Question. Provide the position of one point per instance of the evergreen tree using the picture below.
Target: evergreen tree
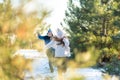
(93, 23)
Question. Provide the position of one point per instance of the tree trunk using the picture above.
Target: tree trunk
(104, 31)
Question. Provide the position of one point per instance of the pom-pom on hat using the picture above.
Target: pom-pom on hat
(49, 30)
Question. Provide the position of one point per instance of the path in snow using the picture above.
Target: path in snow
(41, 71)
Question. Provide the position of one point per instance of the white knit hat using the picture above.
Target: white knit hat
(60, 33)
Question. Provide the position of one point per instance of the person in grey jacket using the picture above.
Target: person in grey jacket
(61, 45)
(62, 50)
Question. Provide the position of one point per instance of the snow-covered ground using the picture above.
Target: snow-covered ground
(41, 71)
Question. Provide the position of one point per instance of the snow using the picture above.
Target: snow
(30, 53)
(89, 73)
(41, 71)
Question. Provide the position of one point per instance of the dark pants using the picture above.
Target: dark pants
(50, 53)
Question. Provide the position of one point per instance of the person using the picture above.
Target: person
(62, 51)
(50, 51)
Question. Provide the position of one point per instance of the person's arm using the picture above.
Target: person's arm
(66, 42)
(39, 36)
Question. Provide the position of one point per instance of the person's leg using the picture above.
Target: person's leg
(61, 64)
(50, 54)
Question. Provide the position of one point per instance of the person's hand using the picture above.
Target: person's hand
(36, 32)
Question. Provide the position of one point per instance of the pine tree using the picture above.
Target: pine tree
(100, 19)
(93, 23)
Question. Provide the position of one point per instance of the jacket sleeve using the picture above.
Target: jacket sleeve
(66, 42)
(40, 37)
